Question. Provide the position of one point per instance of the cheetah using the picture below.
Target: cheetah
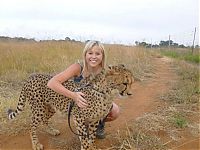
(99, 91)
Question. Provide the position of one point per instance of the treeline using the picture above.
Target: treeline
(137, 43)
(6, 38)
(168, 43)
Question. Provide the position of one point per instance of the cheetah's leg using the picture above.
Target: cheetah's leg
(36, 120)
(92, 133)
(49, 113)
(82, 130)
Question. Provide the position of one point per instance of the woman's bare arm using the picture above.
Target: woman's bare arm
(56, 84)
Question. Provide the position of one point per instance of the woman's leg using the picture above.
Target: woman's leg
(113, 114)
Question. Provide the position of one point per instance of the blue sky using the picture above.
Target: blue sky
(113, 21)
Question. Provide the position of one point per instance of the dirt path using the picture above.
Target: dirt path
(144, 99)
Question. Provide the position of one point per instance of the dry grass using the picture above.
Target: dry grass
(23, 58)
(187, 90)
(137, 59)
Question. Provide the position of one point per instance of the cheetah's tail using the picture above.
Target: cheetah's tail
(13, 113)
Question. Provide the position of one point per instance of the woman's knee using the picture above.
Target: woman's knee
(114, 113)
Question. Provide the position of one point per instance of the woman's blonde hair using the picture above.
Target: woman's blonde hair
(89, 45)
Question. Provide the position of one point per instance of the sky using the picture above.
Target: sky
(110, 21)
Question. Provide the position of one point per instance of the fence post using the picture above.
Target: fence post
(193, 40)
(169, 42)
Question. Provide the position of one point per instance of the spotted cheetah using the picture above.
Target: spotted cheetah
(99, 92)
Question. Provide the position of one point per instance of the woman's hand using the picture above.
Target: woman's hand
(79, 100)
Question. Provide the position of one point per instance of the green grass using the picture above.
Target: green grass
(172, 54)
(192, 58)
(182, 55)
(179, 121)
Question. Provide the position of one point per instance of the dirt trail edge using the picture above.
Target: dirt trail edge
(144, 99)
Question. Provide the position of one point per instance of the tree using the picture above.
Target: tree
(67, 39)
(137, 43)
(181, 46)
(166, 43)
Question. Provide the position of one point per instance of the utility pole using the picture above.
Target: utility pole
(193, 40)
(169, 41)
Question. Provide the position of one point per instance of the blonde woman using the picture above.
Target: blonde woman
(93, 63)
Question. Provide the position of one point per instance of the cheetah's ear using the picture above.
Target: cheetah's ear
(91, 77)
(109, 66)
(121, 65)
(103, 71)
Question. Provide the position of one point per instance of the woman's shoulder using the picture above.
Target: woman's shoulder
(80, 62)
(76, 64)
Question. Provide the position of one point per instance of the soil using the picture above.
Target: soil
(145, 99)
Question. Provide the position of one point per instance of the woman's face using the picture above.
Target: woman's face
(94, 57)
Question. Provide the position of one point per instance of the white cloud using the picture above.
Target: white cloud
(120, 20)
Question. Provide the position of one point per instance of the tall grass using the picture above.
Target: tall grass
(137, 59)
(192, 58)
(19, 59)
(183, 54)
(187, 90)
